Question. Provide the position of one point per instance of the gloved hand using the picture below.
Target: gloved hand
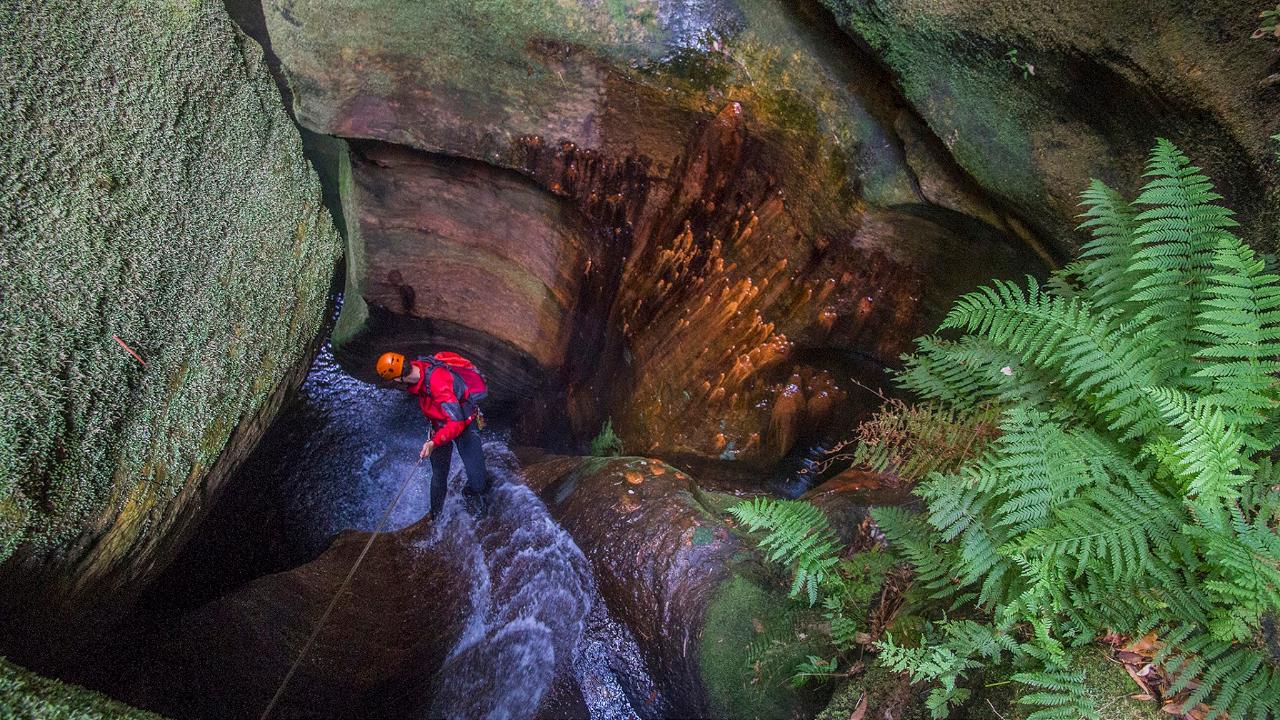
(427, 447)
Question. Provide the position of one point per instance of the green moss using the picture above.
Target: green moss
(1107, 684)
(1108, 78)
(153, 190)
(745, 613)
(469, 47)
(23, 694)
(881, 688)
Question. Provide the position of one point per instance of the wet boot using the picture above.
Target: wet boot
(477, 505)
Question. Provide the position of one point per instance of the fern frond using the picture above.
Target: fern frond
(1234, 679)
(1119, 530)
(797, 535)
(1129, 488)
(1060, 695)
(912, 441)
(971, 373)
(1097, 360)
(1039, 465)
(1174, 247)
(1103, 268)
(911, 538)
(1241, 318)
(1243, 568)
(1209, 450)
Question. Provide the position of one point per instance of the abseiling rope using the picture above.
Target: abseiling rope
(341, 588)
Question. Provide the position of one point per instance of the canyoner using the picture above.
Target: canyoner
(449, 389)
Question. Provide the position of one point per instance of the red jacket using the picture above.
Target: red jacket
(439, 394)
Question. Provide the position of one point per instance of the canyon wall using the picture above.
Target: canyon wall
(165, 270)
(674, 216)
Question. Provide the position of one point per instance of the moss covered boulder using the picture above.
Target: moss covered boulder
(1035, 97)
(163, 274)
(696, 597)
(25, 695)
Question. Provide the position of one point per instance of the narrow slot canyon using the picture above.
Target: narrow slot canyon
(688, 245)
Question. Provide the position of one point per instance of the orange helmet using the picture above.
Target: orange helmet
(391, 365)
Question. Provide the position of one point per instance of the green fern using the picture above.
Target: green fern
(796, 535)
(607, 443)
(1129, 489)
(1059, 695)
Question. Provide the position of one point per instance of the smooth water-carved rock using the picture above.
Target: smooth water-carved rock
(376, 655)
(156, 203)
(746, 190)
(456, 617)
(1035, 98)
(669, 567)
(458, 253)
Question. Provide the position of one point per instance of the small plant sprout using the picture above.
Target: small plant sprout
(1268, 25)
(1027, 68)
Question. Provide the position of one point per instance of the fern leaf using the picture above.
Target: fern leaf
(1241, 319)
(1209, 450)
(1060, 695)
(1103, 268)
(1174, 248)
(796, 535)
(1095, 359)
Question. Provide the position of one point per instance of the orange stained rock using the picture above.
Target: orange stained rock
(827, 287)
(785, 417)
(827, 318)
(629, 503)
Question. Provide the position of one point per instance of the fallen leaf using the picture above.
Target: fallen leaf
(860, 711)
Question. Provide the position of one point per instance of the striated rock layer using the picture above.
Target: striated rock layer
(713, 197)
(155, 203)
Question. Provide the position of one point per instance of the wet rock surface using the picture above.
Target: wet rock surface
(386, 638)
(674, 573)
(731, 190)
(442, 244)
(460, 618)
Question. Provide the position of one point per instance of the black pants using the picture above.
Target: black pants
(472, 454)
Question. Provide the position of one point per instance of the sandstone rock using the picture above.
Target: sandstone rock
(742, 190)
(400, 616)
(1034, 98)
(458, 253)
(669, 567)
(154, 196)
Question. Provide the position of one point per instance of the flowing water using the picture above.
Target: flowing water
(538, 632)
